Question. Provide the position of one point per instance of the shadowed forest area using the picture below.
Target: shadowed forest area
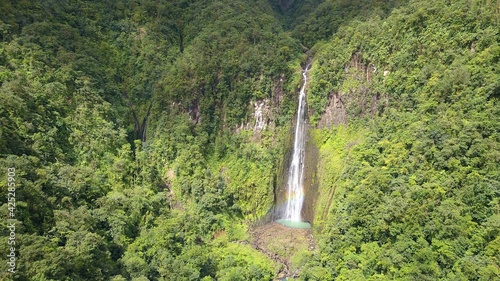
(149, 137)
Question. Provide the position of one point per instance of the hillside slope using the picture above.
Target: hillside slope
(409, 172)
(147, 137)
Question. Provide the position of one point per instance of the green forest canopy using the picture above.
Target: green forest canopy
(130, 126)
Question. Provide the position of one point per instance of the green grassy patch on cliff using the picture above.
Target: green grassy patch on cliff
(335, 148)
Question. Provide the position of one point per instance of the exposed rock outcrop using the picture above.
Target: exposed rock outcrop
(261, 114)
(281, 243)
(265, 110)
(335, 112)
(357, 97)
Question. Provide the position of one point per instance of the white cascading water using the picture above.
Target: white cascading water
(296, 170)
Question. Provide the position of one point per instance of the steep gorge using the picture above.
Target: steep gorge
(401, 158)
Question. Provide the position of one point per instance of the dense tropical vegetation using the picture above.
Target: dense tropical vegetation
(135, 128)
(413, 193)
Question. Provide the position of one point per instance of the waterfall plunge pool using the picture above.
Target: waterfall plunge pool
(292, 217)
(295, 224)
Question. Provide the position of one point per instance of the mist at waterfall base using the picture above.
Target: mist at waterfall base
(295, 184)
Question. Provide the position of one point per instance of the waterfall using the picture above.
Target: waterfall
(295, 190)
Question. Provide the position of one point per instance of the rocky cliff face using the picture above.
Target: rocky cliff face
(335, 112)
(356, 97)
(264, 111)
(261, 114)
